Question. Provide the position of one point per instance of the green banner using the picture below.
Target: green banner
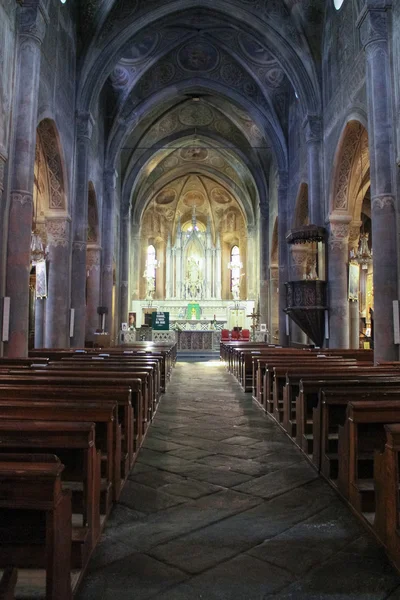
(160, 321)
(193, 311)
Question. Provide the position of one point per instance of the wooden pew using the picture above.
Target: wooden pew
(22, 405)
(8, 582)
(386, 478)
(35, 519)
(98, 377)
(309, 412)
(310, 371)
(74, 444)
(360, 416)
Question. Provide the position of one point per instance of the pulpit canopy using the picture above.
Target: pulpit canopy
(305, 234)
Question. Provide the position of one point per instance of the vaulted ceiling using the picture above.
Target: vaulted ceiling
(199, 87)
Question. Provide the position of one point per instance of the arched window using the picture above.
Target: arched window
(150, 272)
(235, 266)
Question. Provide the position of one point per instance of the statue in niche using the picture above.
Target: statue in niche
(193, 284)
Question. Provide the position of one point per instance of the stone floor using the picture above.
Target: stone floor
(221, 505)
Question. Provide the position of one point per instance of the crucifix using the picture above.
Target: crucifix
(254, 316)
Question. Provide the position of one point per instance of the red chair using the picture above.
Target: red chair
(234, 335)
(246, 335)
(225, 335)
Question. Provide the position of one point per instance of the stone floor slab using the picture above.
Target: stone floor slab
(221, 506)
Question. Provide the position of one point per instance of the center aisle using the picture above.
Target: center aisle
(221, 505)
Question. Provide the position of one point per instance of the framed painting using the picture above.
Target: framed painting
(354, 280)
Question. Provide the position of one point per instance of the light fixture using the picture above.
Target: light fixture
(363, 255)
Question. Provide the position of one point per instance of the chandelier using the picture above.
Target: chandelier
(363, 255)
(38, 253)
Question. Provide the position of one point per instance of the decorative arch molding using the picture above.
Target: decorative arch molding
(140, 206)
(351, 141)
(235, 66)
(300, 70)
(301, 214)
(122, 129)
(133, 176)
(51, 148)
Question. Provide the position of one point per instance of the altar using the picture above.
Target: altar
(198, 340)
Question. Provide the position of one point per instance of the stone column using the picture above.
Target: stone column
(160, 272)
(168, 270)
(338, 281)
(108, 240)
(274, 305)
(178, 262)
(93, 261)
(313, 133)
(283, 255)
(218, 275)
(58, 285)
(354, 317)
(135, 270)
(84, 129)
(264, 268)
(32, 20)
(40, 315)
(3, 160)
(124, 297)
(373, 24)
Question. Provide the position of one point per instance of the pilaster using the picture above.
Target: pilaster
(32, 21)
(373, 25)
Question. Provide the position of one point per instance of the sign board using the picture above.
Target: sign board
(160, 321)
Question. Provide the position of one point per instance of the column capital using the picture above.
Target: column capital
(372, 22)
(312, 125)
(93, 256)
(84, 125)
(58, 231)
(339, 232)
(33, 19)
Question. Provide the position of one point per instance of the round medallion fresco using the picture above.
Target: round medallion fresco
(220, 196)
(232, 74)
(254, 50)
(140, 49)
(166, 196)
(193, 198)
(194, 113)
(274, 77)
(168, 124)
(198, 56)
(194, 153)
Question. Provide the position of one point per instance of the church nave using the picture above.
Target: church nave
(221, 505)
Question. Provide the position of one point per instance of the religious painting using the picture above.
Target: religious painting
(220, 196)
(166, 196)
(198, 56)
(194, 153)
(132, 320)
(193, 198)
(354, 280)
